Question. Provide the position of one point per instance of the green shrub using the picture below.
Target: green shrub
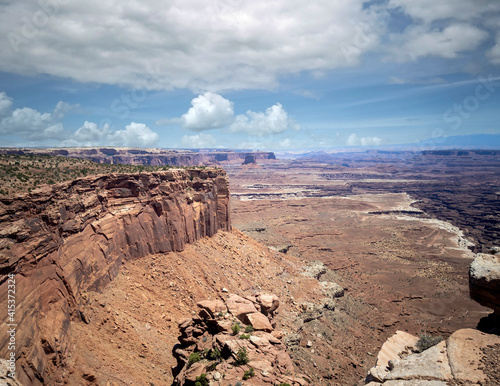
(285, 384)
(193, 358)
(243, 336)
(249, 374)
(202, 380)
(427, 341)
(249, 329)
(242, 356)
(214, 354)
(236, 329)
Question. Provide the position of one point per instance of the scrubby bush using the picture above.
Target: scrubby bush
(249, 329)
(193, 358)
(242, 356)
(243, 336)
(427, 341)
(249, 374)
(202, 380)
(236, 329)
(214, 354)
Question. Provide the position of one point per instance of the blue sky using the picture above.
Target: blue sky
(268, 75)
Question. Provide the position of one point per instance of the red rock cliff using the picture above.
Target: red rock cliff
(73, 237)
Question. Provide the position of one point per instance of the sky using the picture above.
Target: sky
(261, 75)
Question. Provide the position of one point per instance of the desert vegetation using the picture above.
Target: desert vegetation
(23, 173)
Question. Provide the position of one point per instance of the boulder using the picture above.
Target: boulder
(465, 354)
(212, 307)
(240, 307)
(395, 346)
(259, 322)
(484, 281)
(268, 303)
(432, 364)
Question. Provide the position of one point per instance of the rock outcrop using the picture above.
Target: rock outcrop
(63, 240)
(484, 281)
(233, 341)
(468, 357)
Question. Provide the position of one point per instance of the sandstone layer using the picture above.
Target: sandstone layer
(139, 156)
(467, 357)
(64, 240)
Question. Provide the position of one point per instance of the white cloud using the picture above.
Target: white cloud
(43, 128)
(212, 111)
(396, 80)
(354, 140)
(134, 135)
(428, 11)
(494, 52)
(31, 124)
(90, 134)
(275, 120)
(418, 42)
(196, 44)
(198, 141)
(208, 111)
(5, 104)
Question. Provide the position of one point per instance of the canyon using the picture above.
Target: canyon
(64, 240)
(355, 246)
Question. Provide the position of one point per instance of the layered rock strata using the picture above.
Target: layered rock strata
(233, 341)
(63, 240)
(139, 156)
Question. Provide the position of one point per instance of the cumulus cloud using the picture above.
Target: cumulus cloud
(212, 111)
(197, 44)
(37, 128)
(274, 120)
(30, 124)
(354, 140)
(5, 104)
(199, 141)
(134, 135)
(208, 111)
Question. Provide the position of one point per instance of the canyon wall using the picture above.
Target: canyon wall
(63, 240)
(155, 157)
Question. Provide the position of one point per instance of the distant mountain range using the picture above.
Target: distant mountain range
(477, 141)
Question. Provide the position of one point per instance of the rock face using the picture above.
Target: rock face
(484, 281)
(136, 156)
(212, 347)
(467, 357)
(73, 237)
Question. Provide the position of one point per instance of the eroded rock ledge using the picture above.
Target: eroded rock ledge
(233, 341)
(62, 240)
